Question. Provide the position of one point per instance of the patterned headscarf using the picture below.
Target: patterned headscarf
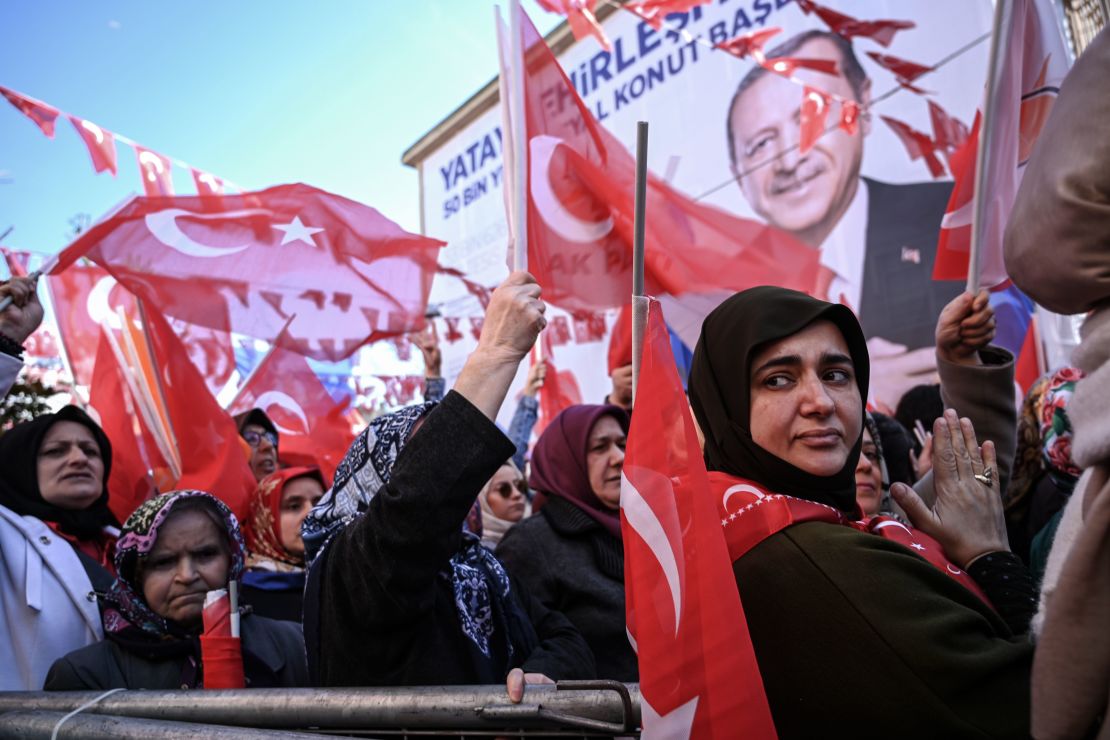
(125, 608)
(477, 577)
(263, 528)
(1043, 436)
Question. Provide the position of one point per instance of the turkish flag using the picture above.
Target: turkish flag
(100, 143)
(134, 452)
(42, 114)
(750, 43)
(311, 424)
(1032, 62)
(904, 70)
(698, 673)
(814, 112)
(580, 212)
(205, 436)
(338, 272)
(949, 132)
(560, 388)
(17, 261)
(85, 297)
(156, 170)
(207, 183)
(918, 144)
(580, 16)
(655, 11)
(879, 31)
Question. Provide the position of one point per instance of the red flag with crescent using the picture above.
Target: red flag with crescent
(880, 31)
(156, 171)
(338, 272)
(100, 143)
(698, 673)
(1032, 62)
(311, 425)
(580, 212)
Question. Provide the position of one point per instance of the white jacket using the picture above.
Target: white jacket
(47, 608)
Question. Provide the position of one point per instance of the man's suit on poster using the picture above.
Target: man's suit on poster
(900, 301)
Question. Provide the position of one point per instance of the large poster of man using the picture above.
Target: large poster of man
(725, 131)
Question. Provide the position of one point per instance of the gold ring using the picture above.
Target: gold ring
(987, 478)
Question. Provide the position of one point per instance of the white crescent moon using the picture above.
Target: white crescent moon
(282, 400)
(643, 520)
(883, 525)
(163, 226)
(740, 488)
(97, 304)
(551, 210)
(953, 570)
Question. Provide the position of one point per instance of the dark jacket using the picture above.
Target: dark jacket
(574, 566)
(273, 656)
(857, 636)
(273, 595)
(379, 610)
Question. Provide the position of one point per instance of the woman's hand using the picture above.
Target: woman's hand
(966, 518)
(427, 342)
(514, 684)
(20, 319)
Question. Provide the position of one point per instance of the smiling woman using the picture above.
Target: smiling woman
(171, 552)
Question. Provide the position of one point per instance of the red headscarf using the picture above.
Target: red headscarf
(262, 529)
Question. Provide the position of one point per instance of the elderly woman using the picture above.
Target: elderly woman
(171, 552)
(838, 609)
(398, 594)
(504, 503)
(570, 555)
(56, 537)
(273, 582)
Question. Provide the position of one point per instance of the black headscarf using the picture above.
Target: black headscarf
(720, 388)
(19, 479)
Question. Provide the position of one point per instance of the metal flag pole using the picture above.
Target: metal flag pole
(1002, 18)
(639, 300)
(519, 133)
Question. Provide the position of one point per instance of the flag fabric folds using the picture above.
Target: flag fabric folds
(338, 272)
(100, 143)
(43, 115)
(156, 171)
(1032, 62)
(312, 426)
(580, 211)
(698, 673)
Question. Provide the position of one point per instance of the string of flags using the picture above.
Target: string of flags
(948, 135)
(156, 169)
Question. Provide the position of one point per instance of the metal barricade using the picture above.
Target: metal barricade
(596, 709)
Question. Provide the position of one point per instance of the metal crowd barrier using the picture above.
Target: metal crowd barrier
(594, 709)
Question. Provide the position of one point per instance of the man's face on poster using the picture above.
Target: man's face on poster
(805, 194)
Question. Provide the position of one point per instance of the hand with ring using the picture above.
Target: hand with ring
(967, 518)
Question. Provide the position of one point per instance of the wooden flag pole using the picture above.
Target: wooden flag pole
(1002, 17)
(639, 300)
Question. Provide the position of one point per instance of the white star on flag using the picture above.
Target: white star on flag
(917, 546)
(296, 231)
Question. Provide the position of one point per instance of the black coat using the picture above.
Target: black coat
(575, 566)
(273, 656)
(379, 609)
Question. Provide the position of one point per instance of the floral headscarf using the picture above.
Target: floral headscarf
(480, 584)
(1043, 435)
(125, 609)
(1055, 425)
(262, 531)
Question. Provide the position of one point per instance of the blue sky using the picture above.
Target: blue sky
(260, 93)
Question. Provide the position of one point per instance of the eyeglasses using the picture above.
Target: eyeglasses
(505, 489)
(255, 438)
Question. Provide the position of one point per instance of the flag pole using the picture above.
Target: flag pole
(519, 201)
(639, 300)
(1002, 14)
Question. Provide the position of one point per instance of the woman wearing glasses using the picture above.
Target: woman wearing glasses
(262, 436)
(570, 556)
(504, 501)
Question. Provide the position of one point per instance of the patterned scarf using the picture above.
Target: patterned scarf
(476, 576)
(263, 529)
(125, 609)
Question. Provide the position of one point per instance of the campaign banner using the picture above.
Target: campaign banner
(725, 131)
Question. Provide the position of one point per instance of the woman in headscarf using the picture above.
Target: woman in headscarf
(173, 550)
(273, 582)
(504, 503)
(570, 555)
(841, 613)
(398, 594)
(56, 537)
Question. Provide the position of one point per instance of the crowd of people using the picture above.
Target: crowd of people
(940, 572)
